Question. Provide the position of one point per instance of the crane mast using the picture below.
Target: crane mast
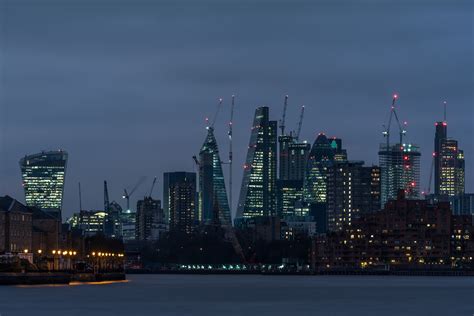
(283, 119)
(300, 123)
(231, 122)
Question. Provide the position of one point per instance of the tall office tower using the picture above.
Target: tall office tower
(150, 220)
(400, 170)
(451, 169)
(289, 197)
(43, 177)
(353, 189)
(340, 154)
(448, 163)
(284, 142)
(258, 191)
(179, 200)
(212, 191)
(298, 160)
(441, 133)
(113, 223)
(320, 158)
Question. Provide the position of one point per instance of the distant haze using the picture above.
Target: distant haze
(125, 86)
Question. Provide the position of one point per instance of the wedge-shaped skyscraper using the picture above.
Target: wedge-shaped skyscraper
(43, 176)
(213, 203)
(258, 191)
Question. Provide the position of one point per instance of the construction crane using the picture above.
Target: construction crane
(282, 121)
(219, 106)
(428, 191)
(231, 122)
(80, 198)
(393, 113)
(127, 195)
(106, 198)
(300, 123)
(152, 187)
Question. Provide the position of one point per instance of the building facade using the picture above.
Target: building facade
(400, 170)
(212, 190)
(43, 178)
(258, 190)
(179, 200)
(150, 222)
(353, 189)
(450, 169)
(16, 230)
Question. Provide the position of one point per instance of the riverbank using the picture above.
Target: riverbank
(451, 273)
(37, 278)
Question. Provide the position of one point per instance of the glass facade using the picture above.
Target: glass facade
(213, 203)
(400, 170)
(258, 191)
(43, 178)
(320, 158)
(451, 169)
(179, 200)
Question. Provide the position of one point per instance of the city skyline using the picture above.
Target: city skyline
(121, 133)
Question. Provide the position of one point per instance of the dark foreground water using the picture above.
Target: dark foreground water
(247, 295)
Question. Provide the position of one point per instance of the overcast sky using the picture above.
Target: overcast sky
(125, 86)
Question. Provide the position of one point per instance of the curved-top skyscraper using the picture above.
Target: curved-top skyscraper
(320, 158)
(43, 176)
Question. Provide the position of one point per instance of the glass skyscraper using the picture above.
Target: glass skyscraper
(321, 156)
(258, 191)
(213, 203)
(400, 170)
(179, 200)
(43, 176)
(448, 163)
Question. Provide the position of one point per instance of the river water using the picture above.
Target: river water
(247, 295)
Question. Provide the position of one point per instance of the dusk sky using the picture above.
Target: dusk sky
(125, 86)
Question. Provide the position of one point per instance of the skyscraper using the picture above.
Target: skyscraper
(150, 219)
(320, 158)
(258, 191)
(212, 191)
(352, 189)
(448, 163)
(179, 200)
(289, 196)
(400, 170)
(441, 133)
(43, 176)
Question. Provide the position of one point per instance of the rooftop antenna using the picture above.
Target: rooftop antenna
(444, 105)
(282, 121)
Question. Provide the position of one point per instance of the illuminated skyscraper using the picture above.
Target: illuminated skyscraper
(258, 191)
(400, 170)
(441, 133)
(353, 189)
(339, 154)
(43, 178)
(451, 168)
(320, 158)
(289, 197)
(179, 200)
(448, 163)
(212, 191)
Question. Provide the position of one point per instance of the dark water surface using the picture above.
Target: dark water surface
(247, 295)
